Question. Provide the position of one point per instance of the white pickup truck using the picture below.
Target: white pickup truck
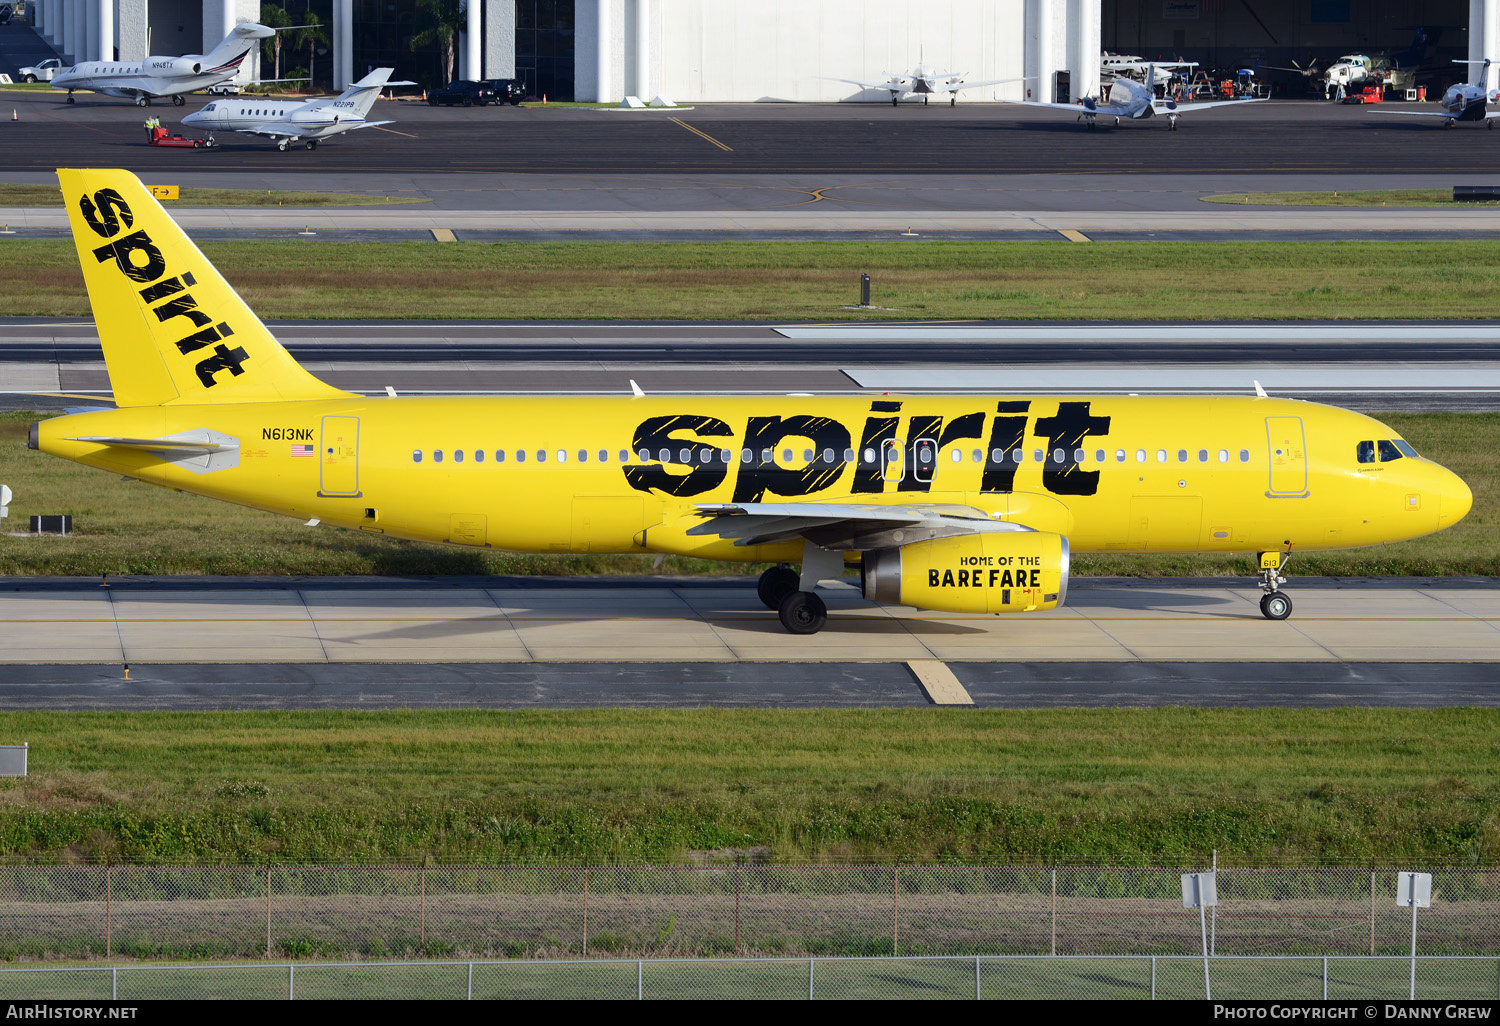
(42, 72)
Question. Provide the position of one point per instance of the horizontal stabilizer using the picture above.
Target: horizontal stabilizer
(155, 444)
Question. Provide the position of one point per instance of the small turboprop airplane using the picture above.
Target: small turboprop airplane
(968, 504)
(1464, 101)
(286, 121)
(924, 82)
(1135, 100)
(157, 77)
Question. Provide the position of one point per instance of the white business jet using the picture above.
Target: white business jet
(287, 121)
(924, 82)
(1135, 100)
(1464, 101)
(157, 77)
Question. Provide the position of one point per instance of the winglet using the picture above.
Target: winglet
(635, 389)
(1260, 391)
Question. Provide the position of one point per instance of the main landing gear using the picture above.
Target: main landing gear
(178, 100)
(143, 101)
(800, 612)
(1275, 604)
(1172, 122)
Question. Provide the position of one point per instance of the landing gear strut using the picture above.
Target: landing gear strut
(1171, 122)
(1275, 604)
(70, 97)
(776, 584)
(178, 101)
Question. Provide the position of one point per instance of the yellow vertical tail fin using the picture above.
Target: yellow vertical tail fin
(172, 329)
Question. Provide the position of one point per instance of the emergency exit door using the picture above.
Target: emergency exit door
(1287, 449)
(339, 458)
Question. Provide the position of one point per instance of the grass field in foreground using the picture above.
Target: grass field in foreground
(1084, 784)
(133, 528)
(1349, 198)
(49, 196)
(926, 278)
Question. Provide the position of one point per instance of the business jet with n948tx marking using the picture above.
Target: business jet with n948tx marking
(156, 77)
(965, 504)
(287, 121)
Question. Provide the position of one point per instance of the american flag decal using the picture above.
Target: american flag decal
(302, 450)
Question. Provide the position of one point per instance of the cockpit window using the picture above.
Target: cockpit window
(1364, 452)
(1405, 448)
(208, 108)
(1388, 451)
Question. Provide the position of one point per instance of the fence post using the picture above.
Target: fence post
(423, 922)
(1372, 913)
(1325, 977)
(1054, 910)
(638, 995)
(291, 981)
(1213, 913)
(976, 977)
(896, 913)
(809, 979)
(268, 910)
(1153, 977)
(114, 984)
(585, 912)
(108, 910)
(739, 871)
(470, 995)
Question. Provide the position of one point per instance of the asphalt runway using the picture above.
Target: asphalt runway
(1273, 138)
(1375, 366)
(510, 643)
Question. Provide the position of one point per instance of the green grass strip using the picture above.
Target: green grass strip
(736, 280)
(132, 528)
(1349, 198)
(1147, 786)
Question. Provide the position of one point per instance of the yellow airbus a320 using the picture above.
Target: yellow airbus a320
(958, 503)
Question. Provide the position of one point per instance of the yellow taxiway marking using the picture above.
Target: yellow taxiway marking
(1073, 235)
(704, 135)
(444, 235)
(942, 687)
(394, 132)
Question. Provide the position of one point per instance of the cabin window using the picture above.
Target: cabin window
(1181, 455)
(684, 455)
(827, 455)
(458, 455)
(1202, 455)
(1223, 455)
(1244, 455)
(1364, 452)
(869, 455)
(665, 455)
(478, 455)
(499, 455)
(807, 455)
(416, 455)
(977, 456)
(1161, 455)
(520, 455)
(1140, 455)
(1017, 456)
(624, 455)
(1100, 455)
(746, 455)
(786, 456)
(848, 455)
(1041, 457)
(1388, 451)
(1079, 456)
(958, 457)
(644, 455)
(541, 455)
(437, 455)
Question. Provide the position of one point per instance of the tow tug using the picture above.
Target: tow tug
(160, 137)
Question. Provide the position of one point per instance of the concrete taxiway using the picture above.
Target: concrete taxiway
(353, 642)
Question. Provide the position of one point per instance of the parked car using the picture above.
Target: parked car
(42, 72)
(223, 89)
(507, 90)
(461, 93)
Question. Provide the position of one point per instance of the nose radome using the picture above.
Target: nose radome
(1455, 501)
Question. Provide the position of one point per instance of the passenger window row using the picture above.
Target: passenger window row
(870, 456)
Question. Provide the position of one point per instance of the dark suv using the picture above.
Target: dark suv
(507, 90)
(462, 93)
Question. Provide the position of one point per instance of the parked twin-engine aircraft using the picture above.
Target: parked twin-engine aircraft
(156, 77)
(924, 82)
(1135, 100)
(1465, 101)
(969, 504)
(288, 121)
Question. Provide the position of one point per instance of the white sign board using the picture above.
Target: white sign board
(1414, 890)
(1199, 890)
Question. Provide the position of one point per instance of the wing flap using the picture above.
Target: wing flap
(840, 526)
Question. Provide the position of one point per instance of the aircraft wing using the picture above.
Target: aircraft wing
(953, 87)
(1102, 109)
(868, 85)
(839, 526)
(1434, 114)
(1188, 108)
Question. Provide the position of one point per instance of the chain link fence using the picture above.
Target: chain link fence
(1119, 977)
(406, 912)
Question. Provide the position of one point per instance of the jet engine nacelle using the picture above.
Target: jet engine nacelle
(1005, 572)
(174, 67)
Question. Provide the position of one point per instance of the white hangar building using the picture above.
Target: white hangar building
(788, 50)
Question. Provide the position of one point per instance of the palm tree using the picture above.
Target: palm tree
(445, 20)
(311, 33)
(274, 17)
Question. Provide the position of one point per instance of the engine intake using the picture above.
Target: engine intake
(174, 67)
(1011, 572)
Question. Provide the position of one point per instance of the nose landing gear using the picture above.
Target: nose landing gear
(1275, 604)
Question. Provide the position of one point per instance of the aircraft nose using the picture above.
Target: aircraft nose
(1454, 501)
